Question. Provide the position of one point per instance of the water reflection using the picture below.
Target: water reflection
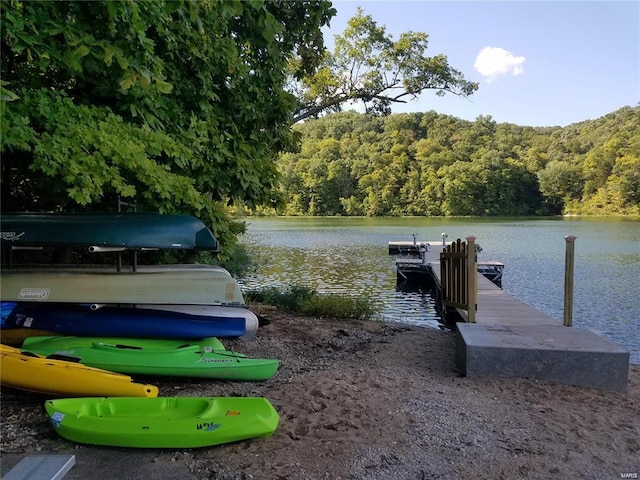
(350, 256)
(347, 268)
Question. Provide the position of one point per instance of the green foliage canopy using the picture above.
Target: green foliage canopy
(179, 104)
(369, 67)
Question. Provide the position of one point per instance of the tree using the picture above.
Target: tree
(368, 66)
(179, 104)
(560, 184)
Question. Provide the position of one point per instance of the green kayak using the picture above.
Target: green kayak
(187, 360)
(162, 422)
(61, 342)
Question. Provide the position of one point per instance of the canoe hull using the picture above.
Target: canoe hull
(163, 422)
(120, 230)
(167, 286)
(79, 320)
(213, 311)
(62, 378)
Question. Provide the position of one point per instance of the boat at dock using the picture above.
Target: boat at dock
(413, 263)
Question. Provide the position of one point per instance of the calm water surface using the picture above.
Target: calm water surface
(350, 256)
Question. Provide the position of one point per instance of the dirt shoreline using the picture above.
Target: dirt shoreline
(367, 400)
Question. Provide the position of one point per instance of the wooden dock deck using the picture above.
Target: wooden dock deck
(512, 339)
(495, 306)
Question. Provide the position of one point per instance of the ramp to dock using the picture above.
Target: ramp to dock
(568, 355)
(513, 339)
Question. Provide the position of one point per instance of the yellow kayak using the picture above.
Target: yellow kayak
(28, 371)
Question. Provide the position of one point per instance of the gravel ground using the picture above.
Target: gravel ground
(367, 400)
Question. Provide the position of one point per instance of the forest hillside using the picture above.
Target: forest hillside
(430, 164)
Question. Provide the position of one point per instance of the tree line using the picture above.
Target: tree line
(433, 164)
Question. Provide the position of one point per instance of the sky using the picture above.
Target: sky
(538, 63)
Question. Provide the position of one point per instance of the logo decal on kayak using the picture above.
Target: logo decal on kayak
(11, 236)
(56, 419)
(23, 320)
(34, 293)
(215, 360)
(208, 426)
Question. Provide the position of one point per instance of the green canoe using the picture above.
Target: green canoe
(163, 422)
(188, 360)
(58, 342)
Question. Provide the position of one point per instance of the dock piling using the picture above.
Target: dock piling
(568, 280)
(472, 279)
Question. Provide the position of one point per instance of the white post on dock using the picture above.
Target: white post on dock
(472, 279)
(568, 280)
(424, 248)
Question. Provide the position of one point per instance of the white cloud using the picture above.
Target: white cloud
(492, 62)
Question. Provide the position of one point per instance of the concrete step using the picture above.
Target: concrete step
(568, 355)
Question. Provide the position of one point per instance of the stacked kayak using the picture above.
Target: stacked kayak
(155, 358)
(64, 378)
(162, 422)
(113, 321)
(157, 284)
(151, 320)
(115, 231)
(159, 301)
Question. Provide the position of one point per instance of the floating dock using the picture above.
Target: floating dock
(512, 339)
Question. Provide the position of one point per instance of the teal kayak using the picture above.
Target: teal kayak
(187, 360)
(162, 422)
(58, 342)
(116, 230)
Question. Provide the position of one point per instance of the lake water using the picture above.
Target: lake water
(350, 256)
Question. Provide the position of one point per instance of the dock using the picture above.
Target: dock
(512, 339)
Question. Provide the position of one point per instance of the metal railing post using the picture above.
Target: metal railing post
(472, 279)
(568, 280)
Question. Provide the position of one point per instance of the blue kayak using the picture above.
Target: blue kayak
(81, 320)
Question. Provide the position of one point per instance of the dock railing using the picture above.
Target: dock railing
(458, 274)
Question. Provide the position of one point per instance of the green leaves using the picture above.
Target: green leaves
(162, 86)
(368, 66)
(180, 104)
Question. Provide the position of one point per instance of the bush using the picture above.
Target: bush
(306, 301)
(290, 299)
(340, 306)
